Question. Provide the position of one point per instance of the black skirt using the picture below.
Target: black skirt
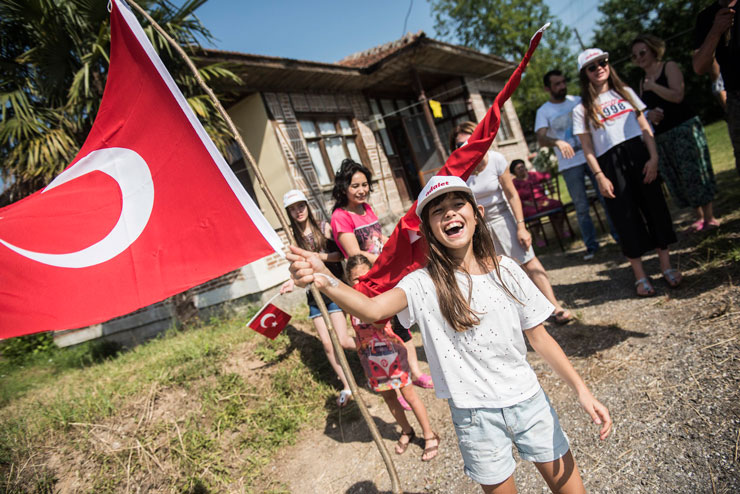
(639, 211)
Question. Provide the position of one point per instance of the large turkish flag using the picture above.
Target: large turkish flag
(147, 209)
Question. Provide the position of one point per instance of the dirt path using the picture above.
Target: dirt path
(668, 368)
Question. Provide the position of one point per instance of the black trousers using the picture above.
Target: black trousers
(639, 211)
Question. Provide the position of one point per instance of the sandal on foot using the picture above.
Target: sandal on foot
(563, 316)
(697, 226)
(344, 396)
(404, 403)
(710, 225)
(424, 381)
(401, 445)
(647, 289)
(669, 275)
(430, 452)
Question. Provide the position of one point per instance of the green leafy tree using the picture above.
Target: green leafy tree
(673, 20)
(54, 57)
(504, 28)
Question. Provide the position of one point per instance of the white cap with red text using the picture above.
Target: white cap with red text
(438, 185)
(292, 197)
(590, 55)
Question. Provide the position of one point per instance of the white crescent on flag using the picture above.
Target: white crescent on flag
(265, 318)
(132, 174)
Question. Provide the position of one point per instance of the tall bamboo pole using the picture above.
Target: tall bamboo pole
(338, 350)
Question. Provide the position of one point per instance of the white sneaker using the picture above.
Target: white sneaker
(589, 255)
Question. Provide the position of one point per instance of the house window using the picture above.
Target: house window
(505, 133)
(329, 142)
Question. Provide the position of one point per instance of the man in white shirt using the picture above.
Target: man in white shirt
(554, 128)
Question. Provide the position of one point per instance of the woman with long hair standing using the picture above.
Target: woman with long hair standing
(317, 237)
(683, 157)
(493, 186)
(620, 150)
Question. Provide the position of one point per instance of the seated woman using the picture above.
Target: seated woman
(534, 198)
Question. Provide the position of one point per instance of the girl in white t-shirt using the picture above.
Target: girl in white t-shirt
(620, 150)
(474, 309)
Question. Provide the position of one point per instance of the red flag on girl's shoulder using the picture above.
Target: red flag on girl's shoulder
(406, 251)
(147, 209)
(270, 321)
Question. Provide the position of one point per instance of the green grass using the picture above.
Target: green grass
(232, 423)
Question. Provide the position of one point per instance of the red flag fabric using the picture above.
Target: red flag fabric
(406, 251)
(147, 209)
(270, 321)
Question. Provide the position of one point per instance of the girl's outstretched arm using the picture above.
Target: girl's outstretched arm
(304, 267)
(548, 349)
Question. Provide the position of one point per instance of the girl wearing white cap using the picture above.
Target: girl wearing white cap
(317, 238)
(474, 309)
(620, 150)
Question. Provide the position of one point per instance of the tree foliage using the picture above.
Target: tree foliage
(54, 57)
(672, 20)
(504, 28)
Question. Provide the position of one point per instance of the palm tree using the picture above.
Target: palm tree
(54, 57)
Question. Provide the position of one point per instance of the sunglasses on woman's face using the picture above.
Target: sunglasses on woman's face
(600, 63)
(458, 145)
(639, 54)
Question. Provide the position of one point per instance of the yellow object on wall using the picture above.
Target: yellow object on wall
(436, 107)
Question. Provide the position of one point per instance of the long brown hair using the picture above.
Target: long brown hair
(442, 268)
(589, 96)
(319, 239)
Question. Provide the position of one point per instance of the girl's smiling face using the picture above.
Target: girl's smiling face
(598, 75)
(452, 221)
(298, 211)
(358, 190)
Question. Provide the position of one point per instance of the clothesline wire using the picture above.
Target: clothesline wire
(437, 95)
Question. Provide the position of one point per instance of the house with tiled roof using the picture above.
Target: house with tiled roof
(300, 119)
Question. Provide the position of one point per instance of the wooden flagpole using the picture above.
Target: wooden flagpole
(338, 350)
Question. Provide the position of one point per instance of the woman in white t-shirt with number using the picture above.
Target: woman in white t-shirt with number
(621, 152)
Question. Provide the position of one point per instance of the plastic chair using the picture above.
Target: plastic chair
(551, 187)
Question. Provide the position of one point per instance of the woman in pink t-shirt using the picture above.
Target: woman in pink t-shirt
(356, 227)
(357, 231)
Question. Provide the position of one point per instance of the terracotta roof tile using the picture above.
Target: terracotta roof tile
(369, 57)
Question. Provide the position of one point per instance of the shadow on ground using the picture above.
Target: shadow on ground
(584, 340)
(346, 427)
(368, 487)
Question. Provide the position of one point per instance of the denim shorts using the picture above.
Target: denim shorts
(485, 436)
(314, 312)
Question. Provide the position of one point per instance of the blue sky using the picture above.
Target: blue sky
(328, 30)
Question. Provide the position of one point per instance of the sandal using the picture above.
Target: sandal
(430, 452)
(697, 225)
(424, 381)
(344, 396)
(647, 289)
(563, 316)
(401, 445)
(669, 275)
(710, 225)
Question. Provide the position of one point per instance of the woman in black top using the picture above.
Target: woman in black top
(683, 154)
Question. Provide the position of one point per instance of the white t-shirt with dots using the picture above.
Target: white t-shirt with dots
(485, 366)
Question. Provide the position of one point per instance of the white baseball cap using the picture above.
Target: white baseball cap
(292, 197)
(591, 55)
(438, 185)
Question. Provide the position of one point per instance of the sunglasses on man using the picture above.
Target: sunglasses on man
(600, 63)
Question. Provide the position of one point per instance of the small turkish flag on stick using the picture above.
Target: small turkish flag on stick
(269, 321)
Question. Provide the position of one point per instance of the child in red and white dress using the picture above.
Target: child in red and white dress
(384, 360)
